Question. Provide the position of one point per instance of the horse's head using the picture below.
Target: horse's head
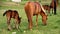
(44, 17)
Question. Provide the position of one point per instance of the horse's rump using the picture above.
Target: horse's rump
(11, 13)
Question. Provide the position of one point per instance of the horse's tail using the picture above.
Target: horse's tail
(4, 13)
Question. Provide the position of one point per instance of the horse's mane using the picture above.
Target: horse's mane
(43, 9)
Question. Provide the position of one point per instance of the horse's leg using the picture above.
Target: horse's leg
(49, 12)
(37, 20)
(16, 24)
(8, 22)
(30, 22)
(29, 16)
(52, 11)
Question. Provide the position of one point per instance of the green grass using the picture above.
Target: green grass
(52, 27)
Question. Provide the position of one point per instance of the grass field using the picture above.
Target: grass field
(52, 27)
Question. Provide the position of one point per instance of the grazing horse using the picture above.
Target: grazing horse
(47, 7)
(32, 9)
(12, 14)
(52, 4)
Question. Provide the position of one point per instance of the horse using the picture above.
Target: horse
(52, 4)
(47, 7)
(12, 14)
(32, 9)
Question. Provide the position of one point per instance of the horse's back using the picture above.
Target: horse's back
(29, 8)
(12, 13)
(8, 13)
(16, 14)
(37, 7)
(32, 7)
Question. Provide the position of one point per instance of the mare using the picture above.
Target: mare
(32, 9)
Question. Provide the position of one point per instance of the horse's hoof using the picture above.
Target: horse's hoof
(31, 29)
(44, 24)
(50, 15)
(18, 30)
(14, 28)
(9, 29)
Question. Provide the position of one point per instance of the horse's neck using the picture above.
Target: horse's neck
(42, 13)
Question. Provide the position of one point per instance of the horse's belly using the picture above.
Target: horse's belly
(35, 13)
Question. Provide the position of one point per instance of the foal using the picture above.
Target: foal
(47, 7)
(12, 14)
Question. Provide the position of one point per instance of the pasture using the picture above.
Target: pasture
(52, 27)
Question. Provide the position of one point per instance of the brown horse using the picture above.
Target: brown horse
(32, 9)
(52, 4)
(47, 7)
(12, 14)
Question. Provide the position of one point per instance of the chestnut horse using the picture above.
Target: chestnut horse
(32, 9)
(47, 7)
(12, 14)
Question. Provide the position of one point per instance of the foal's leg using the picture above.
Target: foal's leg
(8, 23)
(37, 20)
(16, 23)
